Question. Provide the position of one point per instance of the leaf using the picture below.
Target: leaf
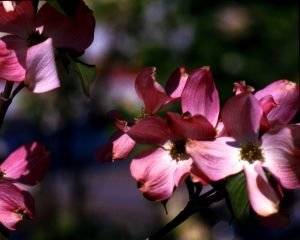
(238, 196)
(87, 74)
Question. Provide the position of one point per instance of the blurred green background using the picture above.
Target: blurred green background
(256, 41)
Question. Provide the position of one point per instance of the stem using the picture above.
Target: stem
(193, 206)
(5, 100)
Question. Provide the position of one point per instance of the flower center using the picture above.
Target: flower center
(142, 114)
(34, 38)
(177, 150)
(251, 152)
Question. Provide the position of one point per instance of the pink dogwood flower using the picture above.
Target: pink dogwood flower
(243, 150)
(9, 5)
(27, 53)
(155, 98)
(25, 166)
(160, 170)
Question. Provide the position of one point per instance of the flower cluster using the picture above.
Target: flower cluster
(32, 43)
(251, 134)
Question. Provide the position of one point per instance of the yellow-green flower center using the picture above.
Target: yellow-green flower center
(177, 150)
(251, 152)
(142, 114)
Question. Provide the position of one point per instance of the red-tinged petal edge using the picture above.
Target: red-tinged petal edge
(263, 198)
(154, 170)
(242, 116)
(13, 205)
(190, 127)
(120, 145)
(41, 75)
(282, 157)
(287, 96)
(150, 91)
(176, 83)
(215, 159)
(200, 95)
(20, 21)
(75, 32)
(150, 130)
(28, 164)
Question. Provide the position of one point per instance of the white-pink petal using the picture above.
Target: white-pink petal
(216, 159)
(263, 198)
(41, 75)
(282, 158)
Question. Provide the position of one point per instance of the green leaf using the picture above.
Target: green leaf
(238, 196)
(55, 4)
(87, 74)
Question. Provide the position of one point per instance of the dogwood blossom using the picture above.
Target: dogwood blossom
(25, 166)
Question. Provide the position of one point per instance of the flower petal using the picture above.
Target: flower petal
(287, 95)
(28, 164)
(12, 58)
(68, 32)
(192, 127)
(200, 95)
(154, 170)
(176, 83)
(282, 159)
(183, 169)
(12, 205)
(120, 145)
(150, 130)
(150, 91)
(263, 199)
(41, 75)
(242, 115)
(20, 21)
(216, 159)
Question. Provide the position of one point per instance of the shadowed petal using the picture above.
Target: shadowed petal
(119, 147)
(12, 205)
(12, 58)
(192, 127)
(28, 164)
(242, 115)
(200, 95)
(176, 83)
(68, 32)
(282, 159)
(183, 169)
(20, 21)
(151, 130)
(150, 91)
(263, 198)
(41, 75)
(154, 170)
(287, 95)
(216, 159)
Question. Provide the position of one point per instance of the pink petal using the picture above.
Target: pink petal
(41, 75)
(262, 196)
(242, 115)
(200, 95)
(183, 169)
(151, 130)
(154, 169)
(75, 32)
(120, 145)
(216, 159)
(28, 164)
(12, 58)
(241, 87)
(186, 126)
(287, 95)
(9, 6)
(12, 205)
(295, 128)
(176, 83)
(282, 159)
(267, 102)
(20, 21)
(150, 91)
